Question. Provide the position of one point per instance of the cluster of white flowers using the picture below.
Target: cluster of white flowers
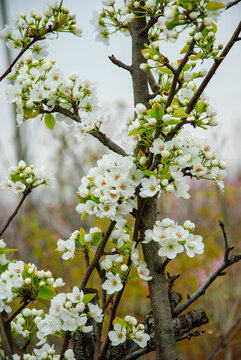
(174, 239)
(89, 122)
(40, 85)
(82, 240)
(67, 313)
(109, 188)
(25, 281)
(22, 323)
(46, 352)
(128, 329)
(170, 21)
(185, 155)
(23, 178)
(39, 26)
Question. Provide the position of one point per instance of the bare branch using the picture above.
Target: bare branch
(98, 254)
(232, 3)
(96, 134)
(119, 63)
(224, 338)
(191, 334)
(211, 278)
(227, 248)
(108, 143)
(25, 303)
(25, 194)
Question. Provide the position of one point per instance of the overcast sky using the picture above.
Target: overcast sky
(90, 59)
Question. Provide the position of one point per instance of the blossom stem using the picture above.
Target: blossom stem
(25, 194)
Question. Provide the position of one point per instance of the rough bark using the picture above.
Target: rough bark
(164, 331)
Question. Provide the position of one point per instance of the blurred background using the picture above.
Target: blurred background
(49, 214)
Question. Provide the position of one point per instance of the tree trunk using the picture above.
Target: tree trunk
(164, 332)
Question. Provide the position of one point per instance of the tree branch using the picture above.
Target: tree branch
(98, 254)
(5, 337)
(25, 194)
(211, 278)
(119, 63)
(179, 69)
(205, 82)
(17, 57)
(223, 340)
(232, 3)
(98, 135)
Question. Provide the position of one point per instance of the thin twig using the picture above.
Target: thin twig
(17, 57)
(227, 248)
(205, 82)
(232, 3)
(98, 135)
(211, 278)
(112, 316)
(25, 303)
(190, 335)
(119, 63)
(98, 254)
(179, 69)
(25, 194)
(222, 344)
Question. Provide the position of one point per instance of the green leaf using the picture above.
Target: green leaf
(84, 215)
(149, 173)
(119, 320)
(186, 66)
(136, 131)
(184, 50)
(172, 24)
(180, 113)
(7, 251)
(214, 5)
(156, 111)
(32, 115)
(47, 292)
(49, 121)
(88, 298)
(165, 70)
(96, 239)
(196, 57)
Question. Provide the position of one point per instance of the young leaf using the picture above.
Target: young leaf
(180, 113)
(88, 298)
(49, 121)
(214, 5)
(46, 292)
(96, 239)
(7, 251)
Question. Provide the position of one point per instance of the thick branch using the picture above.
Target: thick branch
(6, 336)
(182, 325)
